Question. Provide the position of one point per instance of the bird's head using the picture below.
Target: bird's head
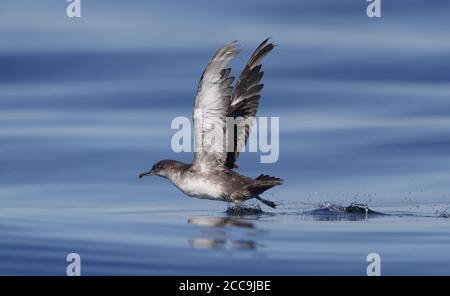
(162, 168)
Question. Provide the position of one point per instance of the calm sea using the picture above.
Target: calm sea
(86, 105)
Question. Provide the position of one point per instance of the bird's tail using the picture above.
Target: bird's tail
(266, 180)
(263, 183)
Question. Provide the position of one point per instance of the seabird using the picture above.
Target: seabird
(212, 173)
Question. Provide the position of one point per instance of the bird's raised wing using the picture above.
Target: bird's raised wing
(210, 109)
(244, 102)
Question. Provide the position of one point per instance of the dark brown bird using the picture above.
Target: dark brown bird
(211, 175)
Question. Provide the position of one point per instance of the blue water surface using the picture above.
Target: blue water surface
(86, 105)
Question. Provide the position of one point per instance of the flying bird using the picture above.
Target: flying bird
(212, 173)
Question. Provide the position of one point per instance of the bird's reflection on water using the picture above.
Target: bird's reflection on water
(224, 233)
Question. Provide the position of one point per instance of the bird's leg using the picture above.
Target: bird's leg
(228, 200)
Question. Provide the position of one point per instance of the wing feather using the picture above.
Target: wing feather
(244, 102)
(210, 109)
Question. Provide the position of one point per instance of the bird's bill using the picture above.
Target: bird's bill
(149, 173)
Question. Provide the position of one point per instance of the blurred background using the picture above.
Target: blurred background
(86, 104)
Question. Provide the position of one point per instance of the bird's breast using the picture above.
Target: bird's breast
(200, 187)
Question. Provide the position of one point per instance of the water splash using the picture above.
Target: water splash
(330, 208)
(244, 210)
(442, 214)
